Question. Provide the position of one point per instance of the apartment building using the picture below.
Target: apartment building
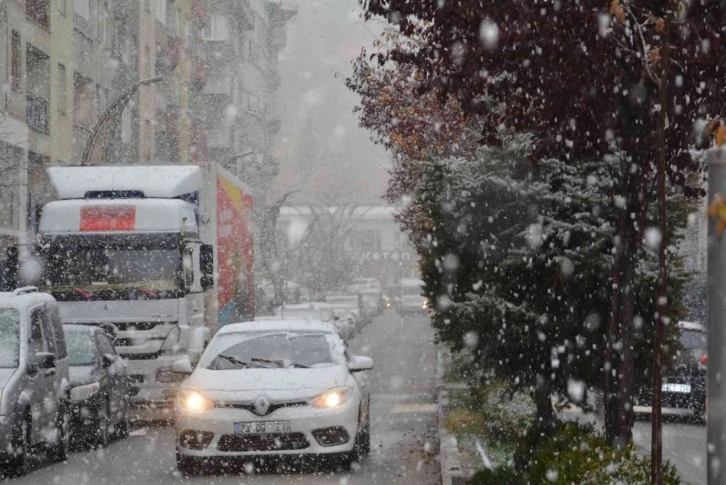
(240, 43)
(65, 61)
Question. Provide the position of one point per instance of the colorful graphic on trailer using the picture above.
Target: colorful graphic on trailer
(234, 253)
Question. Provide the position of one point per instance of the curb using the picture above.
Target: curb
(449, 456)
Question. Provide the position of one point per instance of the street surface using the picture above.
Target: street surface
(403, 411)
(684, 445)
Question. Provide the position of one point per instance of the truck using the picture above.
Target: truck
(159, 256)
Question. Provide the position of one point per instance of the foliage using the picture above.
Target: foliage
(324, 261)
(519, 260)
(492, 409)
(583, 79)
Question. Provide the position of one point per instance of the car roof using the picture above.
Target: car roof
(278, 326)
(23, 298)
(69, 327)
(299, 306)
(692, 326)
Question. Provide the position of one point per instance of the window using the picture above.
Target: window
(82, 8)
(62, 7)
(9, 338)
(16, 61)
(159, 10)
(126, 125)
(35, 336)
(59, 334)
(62, 89)
(81, 347)
(39, 12)
(48, 332)
(104, 345)
(217, 28)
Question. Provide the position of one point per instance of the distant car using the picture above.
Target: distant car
(99, 387)
(411, 299)
(271, 389)
(351, 301)
(684, 383)
(33, 379)
(344, 320)
(359, 285)
(304, 311)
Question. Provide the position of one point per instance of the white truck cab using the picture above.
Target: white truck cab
(122, 248)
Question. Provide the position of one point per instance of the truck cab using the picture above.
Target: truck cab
(121, 249)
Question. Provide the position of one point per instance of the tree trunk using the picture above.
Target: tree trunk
(546, 417)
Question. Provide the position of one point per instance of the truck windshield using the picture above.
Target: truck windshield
(9, 338)
(119, 268)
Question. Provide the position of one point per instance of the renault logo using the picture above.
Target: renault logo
(262, 405)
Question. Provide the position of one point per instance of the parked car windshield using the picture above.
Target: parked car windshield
(81, 349)
(9, 338)
(304, 349)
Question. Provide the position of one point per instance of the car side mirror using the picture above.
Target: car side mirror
(107, 360)
(358, 363)
(45, 360)
(182, 366)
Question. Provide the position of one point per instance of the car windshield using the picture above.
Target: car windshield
(693, 339)
(80, 346)
(9, 338)
(278, 350)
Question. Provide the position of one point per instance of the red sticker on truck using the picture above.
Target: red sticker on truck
(108, 218)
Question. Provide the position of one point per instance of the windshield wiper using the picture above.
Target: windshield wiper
(280, 362)
(239, 362)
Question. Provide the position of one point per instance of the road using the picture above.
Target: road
(684, 445)
(403, 427)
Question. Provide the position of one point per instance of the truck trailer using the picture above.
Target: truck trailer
(159, 256)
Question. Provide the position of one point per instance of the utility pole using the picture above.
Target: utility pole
(656, 457)
(716, 381)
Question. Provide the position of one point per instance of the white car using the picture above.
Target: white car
(273, 389)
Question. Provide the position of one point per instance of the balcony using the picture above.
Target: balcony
(82, 25)
(199, 73)
(199, 10)
(36, 114)
(175, 49)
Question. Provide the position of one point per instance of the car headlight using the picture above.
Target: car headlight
(194, 401)
(333, 398)
(81, 393)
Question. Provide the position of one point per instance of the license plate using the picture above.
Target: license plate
(683, 388)
(261, 427)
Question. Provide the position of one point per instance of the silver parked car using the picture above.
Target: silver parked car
(33, 379)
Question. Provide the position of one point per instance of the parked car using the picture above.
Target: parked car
(410, 299)
(684, 382)
(353, 302)
(344, 320)
(33, 379)
(99, 387)
(305, 311)
(286, 388)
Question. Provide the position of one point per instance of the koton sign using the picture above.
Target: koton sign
(393, 256)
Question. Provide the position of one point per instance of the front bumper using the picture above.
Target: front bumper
(152, 399)
(675, 403)
(219, 422)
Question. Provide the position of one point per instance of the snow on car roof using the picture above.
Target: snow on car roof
(691, 326)
(278, 326)
(69, 327)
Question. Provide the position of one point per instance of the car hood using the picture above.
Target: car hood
(81, 374)
(5, 375)
(246, 384)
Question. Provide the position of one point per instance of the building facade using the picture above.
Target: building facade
(64, 62)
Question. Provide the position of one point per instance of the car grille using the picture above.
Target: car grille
(251, 407)
(262, 442)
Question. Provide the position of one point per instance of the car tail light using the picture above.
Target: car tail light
(704, 359)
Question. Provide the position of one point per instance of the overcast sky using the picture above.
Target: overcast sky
(323, 40)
